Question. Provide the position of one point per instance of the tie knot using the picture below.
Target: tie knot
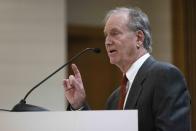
(124, 80)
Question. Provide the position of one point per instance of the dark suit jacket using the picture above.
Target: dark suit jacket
(160, 94)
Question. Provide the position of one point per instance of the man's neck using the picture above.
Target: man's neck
(124, 67)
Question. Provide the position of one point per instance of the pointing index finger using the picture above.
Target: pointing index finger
(76, 71)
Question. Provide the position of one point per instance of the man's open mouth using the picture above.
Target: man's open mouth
(112, 51)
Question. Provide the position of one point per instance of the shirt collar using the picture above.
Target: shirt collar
(132, 71)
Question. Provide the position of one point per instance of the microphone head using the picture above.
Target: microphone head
(96, 50)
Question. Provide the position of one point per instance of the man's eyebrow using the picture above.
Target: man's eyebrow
(115, 30)
(111, 30)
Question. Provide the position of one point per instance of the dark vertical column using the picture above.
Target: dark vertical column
(184, 45)
(190, 51)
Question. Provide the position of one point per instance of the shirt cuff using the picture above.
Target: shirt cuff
(77, 109)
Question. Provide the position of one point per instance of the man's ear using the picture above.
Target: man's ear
(140, 37)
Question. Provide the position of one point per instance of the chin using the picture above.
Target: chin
(112, 61)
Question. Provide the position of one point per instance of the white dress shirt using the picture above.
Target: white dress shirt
(132, 71)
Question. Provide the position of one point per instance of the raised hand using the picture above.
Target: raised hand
(74, 89)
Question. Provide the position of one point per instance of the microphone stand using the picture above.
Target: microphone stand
(22, 106)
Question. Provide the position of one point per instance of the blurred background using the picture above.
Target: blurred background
(38, 36)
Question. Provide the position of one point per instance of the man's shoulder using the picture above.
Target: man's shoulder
(160, 69)
(161, 66)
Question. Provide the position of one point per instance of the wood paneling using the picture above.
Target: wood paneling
(184, 45)
(190, 51)
(178, 29)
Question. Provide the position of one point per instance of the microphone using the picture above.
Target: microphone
(22, 106)
(96, 50)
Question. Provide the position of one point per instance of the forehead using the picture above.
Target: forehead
(119, 21)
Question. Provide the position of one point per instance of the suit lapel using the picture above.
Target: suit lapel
(137, 87)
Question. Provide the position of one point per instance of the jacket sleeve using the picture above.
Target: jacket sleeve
(171, 103)
(83, 108)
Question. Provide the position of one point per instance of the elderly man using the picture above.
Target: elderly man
(158, 90)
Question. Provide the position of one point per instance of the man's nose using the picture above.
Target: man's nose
(108, 40)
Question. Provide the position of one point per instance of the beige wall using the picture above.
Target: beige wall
(32, 45)
(91, 12)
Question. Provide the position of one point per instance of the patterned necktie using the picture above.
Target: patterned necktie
(122, 92)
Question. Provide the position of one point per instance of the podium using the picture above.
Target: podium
(124, 120)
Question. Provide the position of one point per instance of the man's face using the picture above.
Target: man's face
(120, 41)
